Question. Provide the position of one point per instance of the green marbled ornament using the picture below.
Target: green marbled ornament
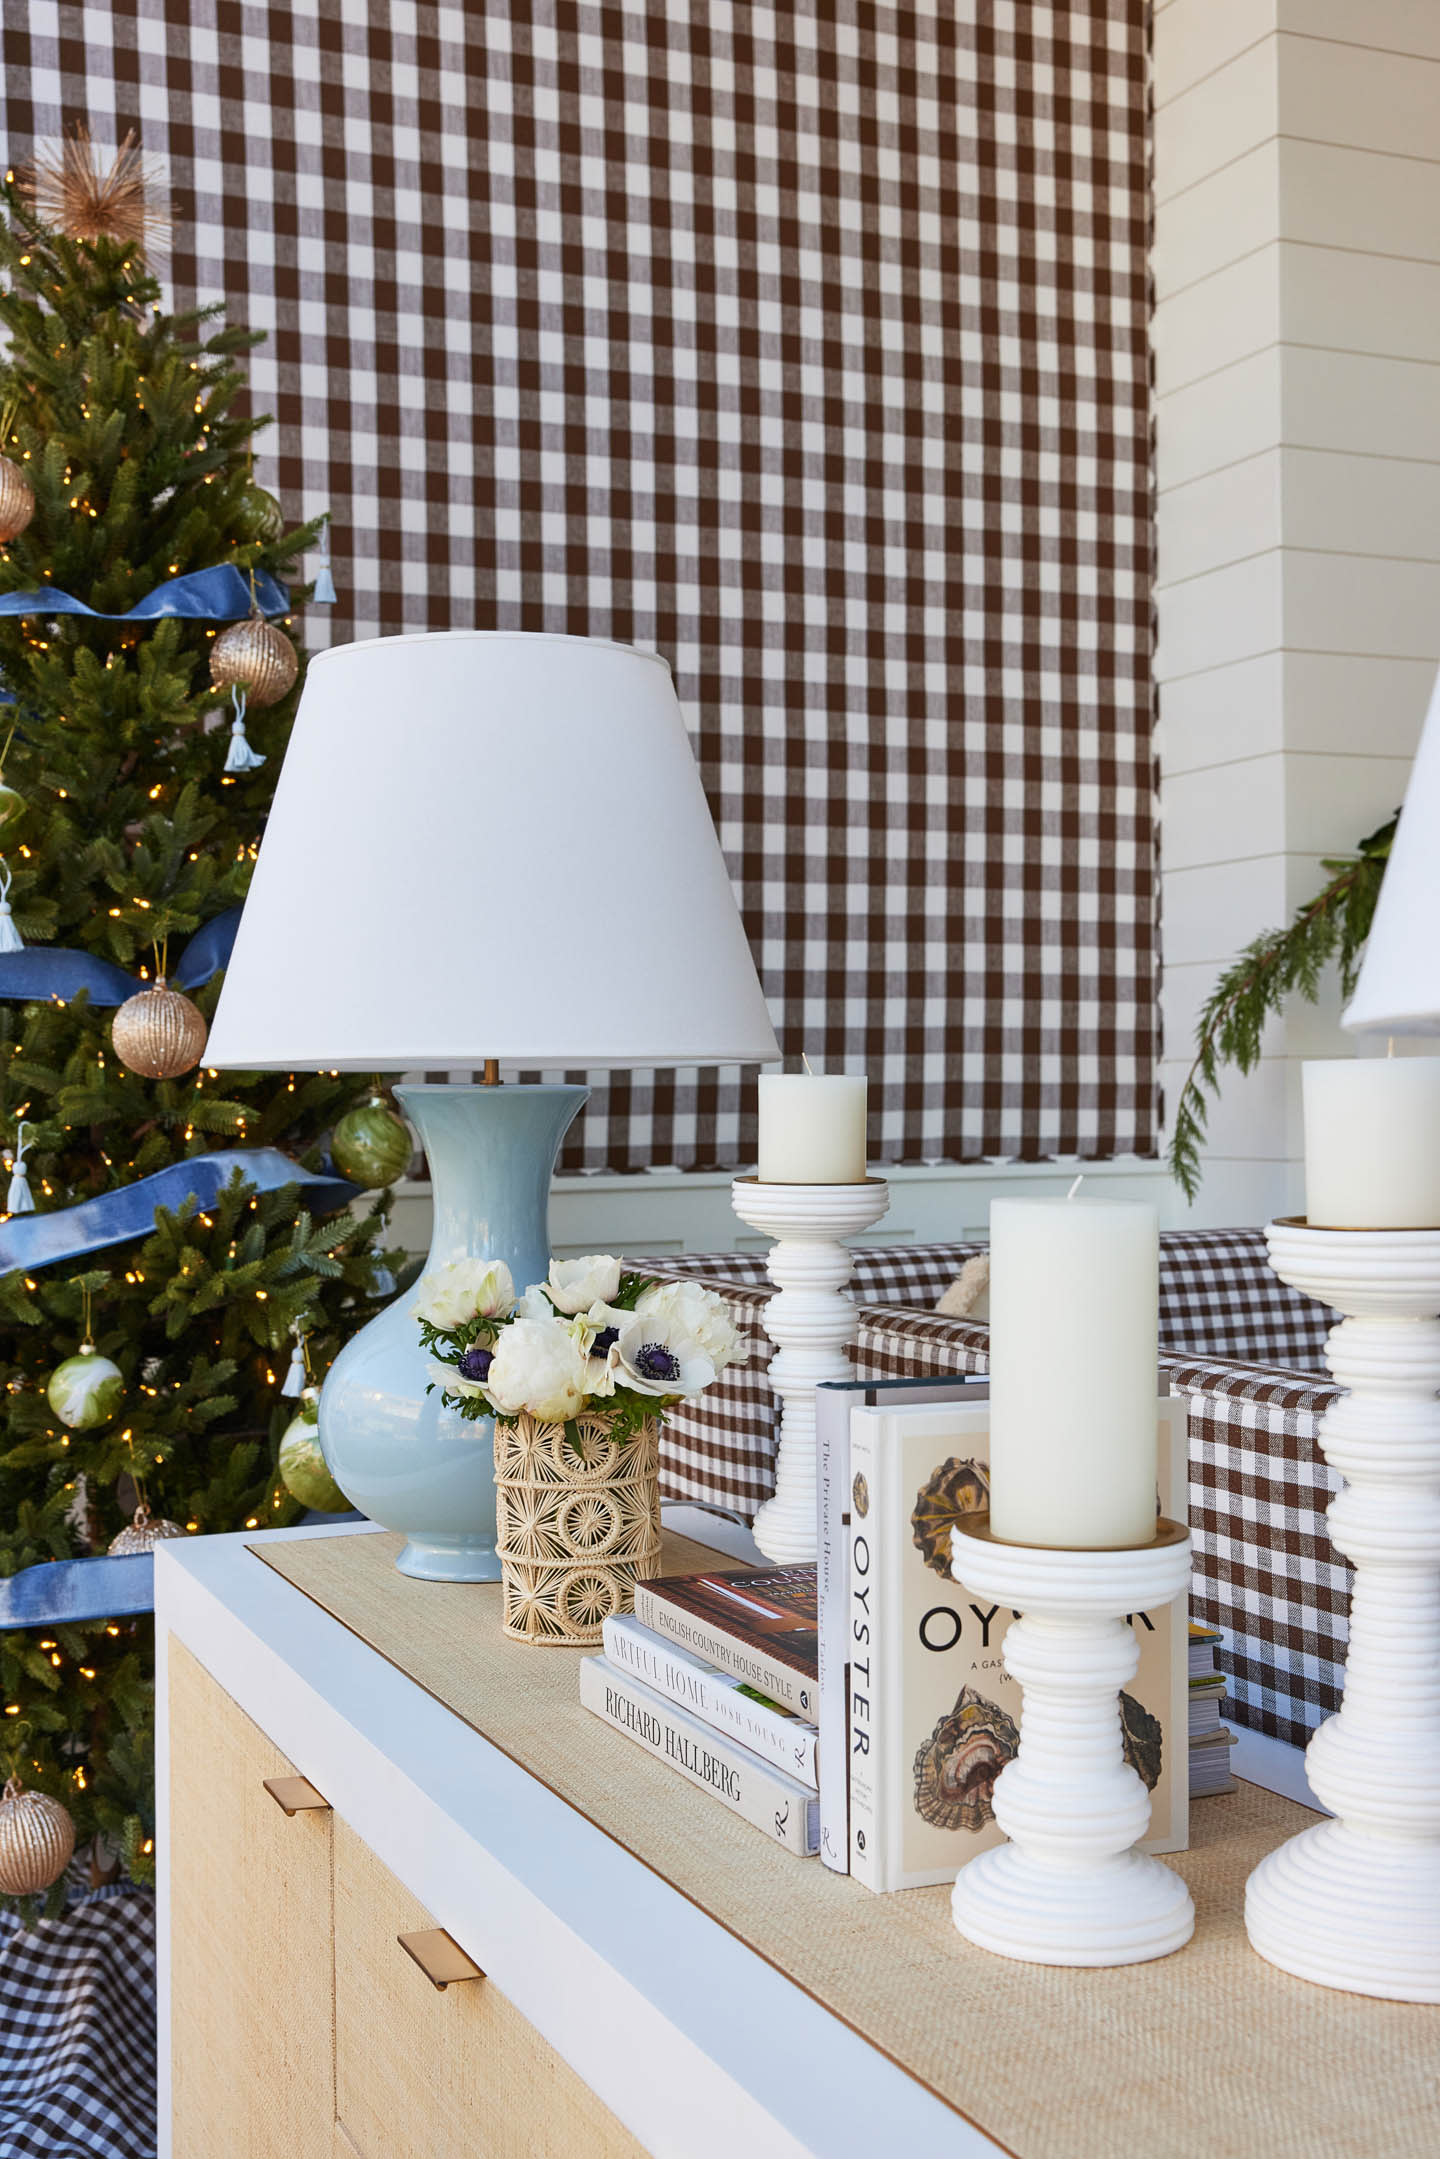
(12, 805)
(371, 1145)
(86, 1390)
(303, 1469)
(261, 516)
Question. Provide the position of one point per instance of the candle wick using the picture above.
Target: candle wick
(1076, 1186)
(806, 1062)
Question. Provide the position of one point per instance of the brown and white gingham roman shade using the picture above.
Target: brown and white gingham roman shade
(806, 344)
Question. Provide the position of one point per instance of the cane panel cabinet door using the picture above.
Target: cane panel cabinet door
(425, 2074)
(253, 2017)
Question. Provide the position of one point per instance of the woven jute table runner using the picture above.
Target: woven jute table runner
(1208, 2052)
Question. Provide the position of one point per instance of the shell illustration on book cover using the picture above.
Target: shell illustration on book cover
(957, 1488)
(955, 1770)
(1143, 1739)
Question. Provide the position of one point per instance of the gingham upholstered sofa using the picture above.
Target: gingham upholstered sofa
(1245, 1350)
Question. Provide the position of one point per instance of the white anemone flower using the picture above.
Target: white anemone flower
(652, 1358)
(686, 1308)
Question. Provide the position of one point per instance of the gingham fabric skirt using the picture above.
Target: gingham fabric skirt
(77, 2030)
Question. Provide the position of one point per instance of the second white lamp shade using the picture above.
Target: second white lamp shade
(486, 844)
(1399, 987)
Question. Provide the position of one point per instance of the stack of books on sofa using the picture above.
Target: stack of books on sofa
(715, 1674)
(1210, 1740)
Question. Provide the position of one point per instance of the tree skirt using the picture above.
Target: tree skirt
(77, 2030)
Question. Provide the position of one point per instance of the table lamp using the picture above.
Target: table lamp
(1398, 991)
(485, 848)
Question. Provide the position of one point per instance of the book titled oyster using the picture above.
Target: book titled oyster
(933, 1714)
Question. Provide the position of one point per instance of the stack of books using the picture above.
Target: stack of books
(715, 1674)
(1210, 1740)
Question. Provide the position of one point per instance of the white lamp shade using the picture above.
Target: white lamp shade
(489, 845)
(1398, 991)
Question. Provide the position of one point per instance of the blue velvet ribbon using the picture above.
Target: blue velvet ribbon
(44, 971)
(40, 1240)
(66, 1589)
(218, 595)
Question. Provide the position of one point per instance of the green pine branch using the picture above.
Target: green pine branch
(1329, 930)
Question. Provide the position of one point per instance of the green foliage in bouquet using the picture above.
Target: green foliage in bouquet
(1329, 930)
(123, 835)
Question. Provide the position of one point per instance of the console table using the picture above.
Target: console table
(367, 1795)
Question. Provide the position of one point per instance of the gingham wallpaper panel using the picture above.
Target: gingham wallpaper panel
(806, 344)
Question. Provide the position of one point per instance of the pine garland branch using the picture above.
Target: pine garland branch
(1273, 968)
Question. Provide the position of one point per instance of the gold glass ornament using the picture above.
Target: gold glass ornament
(159, 1033)
(17, 499)
(142, 1533)
(37, 1838)
(255, 657)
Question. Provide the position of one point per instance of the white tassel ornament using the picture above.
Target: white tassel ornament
(19, 1199)
(10, 938)
(240, 757)
(324, 593)
(294, 1383)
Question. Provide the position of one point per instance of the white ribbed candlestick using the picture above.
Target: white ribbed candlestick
(810, 1319)
(1354, 1903)
(1070, 1888)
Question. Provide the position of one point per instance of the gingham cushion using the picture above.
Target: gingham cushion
(77, 2031)
(1219, 1296)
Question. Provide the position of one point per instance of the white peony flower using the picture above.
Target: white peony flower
(653, 1358)
(538, 1366)
(688, 1309)
(466, 1289)
(535, 1304)
(576, 1284)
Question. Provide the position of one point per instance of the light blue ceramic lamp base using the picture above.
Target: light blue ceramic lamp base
(393, 1450)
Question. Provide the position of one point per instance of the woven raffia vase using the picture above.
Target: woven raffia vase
(577, 1524)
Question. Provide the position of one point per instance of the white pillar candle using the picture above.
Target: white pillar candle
(1372, 1143)
(1074, 1295)
(812, 1128)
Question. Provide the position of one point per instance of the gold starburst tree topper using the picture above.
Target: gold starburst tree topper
(73, 193)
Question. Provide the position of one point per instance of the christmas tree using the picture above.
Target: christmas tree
(124, 835)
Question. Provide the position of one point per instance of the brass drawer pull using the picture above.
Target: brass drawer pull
(296, 1795)
(440, 1958)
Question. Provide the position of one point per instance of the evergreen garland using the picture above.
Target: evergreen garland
(1330, 929)
(128, 423)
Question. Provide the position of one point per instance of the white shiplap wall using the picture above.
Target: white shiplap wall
(1297, 355)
